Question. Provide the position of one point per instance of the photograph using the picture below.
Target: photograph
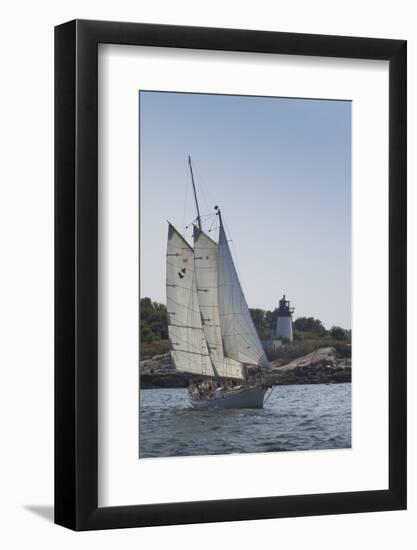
(206, 224)
(245, 274)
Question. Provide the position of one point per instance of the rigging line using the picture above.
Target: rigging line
(203, 340)
(211, 215)
(226, 255)
(178, 324)
(189, 352)
(213, 223)
(195, 193)
(175, 285)
(222, 262)
(191, 221)
(188, 226)
(183, 339)
(238, 333)
(250, 323)
(202, 187)
(270, 393)
(237, 320)
(208, 301)
(250, 344)
(185, 200)
(234, 258)
(191, 302)
(187, 307)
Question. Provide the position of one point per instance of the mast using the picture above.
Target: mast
(195, 194)
(217, 209)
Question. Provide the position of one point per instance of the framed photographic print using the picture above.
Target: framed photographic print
(230, 245)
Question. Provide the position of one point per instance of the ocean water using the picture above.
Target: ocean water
(295, 418)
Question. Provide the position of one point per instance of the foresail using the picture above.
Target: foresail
(188, 347)
(240, 339)
(205, 260)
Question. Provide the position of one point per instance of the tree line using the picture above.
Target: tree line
(154, 327)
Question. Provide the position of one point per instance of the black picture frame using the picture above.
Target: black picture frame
(76, 272)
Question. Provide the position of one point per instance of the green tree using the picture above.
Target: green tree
(338, 333)
(153, 321)
(146, 333)
(258, 317)
(271, 319)
(310, 324)
(265, 323)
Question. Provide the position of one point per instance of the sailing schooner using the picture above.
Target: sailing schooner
(211, 331)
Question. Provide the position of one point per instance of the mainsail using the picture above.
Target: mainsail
(206, 276)
(188, 345)
(240, 339)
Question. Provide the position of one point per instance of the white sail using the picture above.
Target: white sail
(188, 346)
(240, 339)
(206, 269)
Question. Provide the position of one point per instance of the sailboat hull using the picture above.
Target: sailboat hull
(250, 398)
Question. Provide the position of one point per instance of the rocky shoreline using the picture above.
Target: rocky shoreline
(319, 367)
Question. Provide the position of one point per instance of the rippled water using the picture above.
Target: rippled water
(294, 418)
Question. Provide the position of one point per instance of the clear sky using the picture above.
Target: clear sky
(279, 169)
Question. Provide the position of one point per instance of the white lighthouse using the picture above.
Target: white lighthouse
(284, 319)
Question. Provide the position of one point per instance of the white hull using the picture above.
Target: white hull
(250, 398)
